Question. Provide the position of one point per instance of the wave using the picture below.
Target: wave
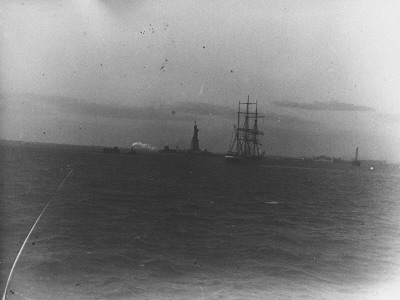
(272, 202)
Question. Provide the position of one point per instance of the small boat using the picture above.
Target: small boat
(355, 162)
(246, 146)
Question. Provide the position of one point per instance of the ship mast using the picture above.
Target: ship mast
(238, 145)
(246, 130)
(356, 157)
(246, 143)
(255, 150)
(355, 161)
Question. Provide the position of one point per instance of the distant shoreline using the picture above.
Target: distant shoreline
(125, 150)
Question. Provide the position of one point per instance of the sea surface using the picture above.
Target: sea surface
(165, 226)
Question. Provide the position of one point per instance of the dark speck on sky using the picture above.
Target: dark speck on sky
(287, 56)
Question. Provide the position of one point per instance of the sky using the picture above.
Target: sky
(326, 74)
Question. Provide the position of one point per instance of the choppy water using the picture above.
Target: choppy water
(187, 227)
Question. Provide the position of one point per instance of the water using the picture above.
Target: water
(188, 227)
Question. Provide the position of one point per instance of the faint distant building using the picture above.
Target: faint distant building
(194, 145)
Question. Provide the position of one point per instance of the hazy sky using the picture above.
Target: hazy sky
(330, 67)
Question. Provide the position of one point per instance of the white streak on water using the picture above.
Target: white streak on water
(29, 234)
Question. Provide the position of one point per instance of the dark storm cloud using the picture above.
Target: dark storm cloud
(332, 105)
(286, 119)
(180, 111)
(201, 109)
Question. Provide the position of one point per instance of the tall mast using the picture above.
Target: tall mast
(246, 128)
(356, 158)
(237, 130)
(255, 133)
(246, 133)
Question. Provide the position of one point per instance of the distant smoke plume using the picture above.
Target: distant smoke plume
(142, 147)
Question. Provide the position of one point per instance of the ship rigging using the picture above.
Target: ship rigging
(246, 145)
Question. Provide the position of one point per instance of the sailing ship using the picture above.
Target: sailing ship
(355, 161)
(246, 145)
